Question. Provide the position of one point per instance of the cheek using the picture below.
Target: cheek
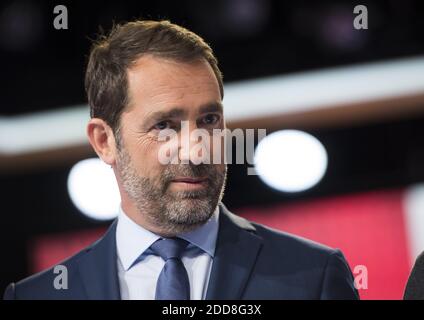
(217, 149)
(140, 155)
(221, 168)
(146, 160)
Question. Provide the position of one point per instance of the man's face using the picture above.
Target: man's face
(174, 198)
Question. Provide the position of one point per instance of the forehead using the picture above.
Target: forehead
(160, 84)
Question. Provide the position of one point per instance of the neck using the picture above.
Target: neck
(142, 220)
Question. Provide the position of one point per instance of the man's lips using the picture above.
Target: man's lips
(189, 183)
(189, 180)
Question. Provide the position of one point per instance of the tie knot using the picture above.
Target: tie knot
(169, 248)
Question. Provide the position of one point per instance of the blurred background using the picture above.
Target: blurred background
(342, 162)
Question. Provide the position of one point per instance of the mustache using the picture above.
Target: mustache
(189, 170)
(172, 171)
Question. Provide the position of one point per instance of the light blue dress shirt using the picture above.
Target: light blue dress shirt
(138, 272)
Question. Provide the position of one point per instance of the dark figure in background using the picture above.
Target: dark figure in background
(415, 286)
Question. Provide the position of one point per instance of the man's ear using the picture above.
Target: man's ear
(102, 139)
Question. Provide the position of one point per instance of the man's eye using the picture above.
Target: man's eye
(162, 125)
(211, 119)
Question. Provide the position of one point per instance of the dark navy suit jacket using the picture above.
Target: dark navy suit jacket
(251, 262)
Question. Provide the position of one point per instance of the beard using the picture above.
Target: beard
(173, 212)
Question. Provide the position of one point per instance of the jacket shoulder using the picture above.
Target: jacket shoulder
(300, 268)
(48, 284)
(277, 240)
(285, 242)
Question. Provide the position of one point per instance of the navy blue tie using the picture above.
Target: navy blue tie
(173, 283)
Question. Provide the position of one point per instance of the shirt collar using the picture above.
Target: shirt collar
(204, 237)
(132, 240)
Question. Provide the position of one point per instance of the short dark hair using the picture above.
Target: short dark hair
(106, 82)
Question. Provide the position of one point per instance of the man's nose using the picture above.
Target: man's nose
(194, 144)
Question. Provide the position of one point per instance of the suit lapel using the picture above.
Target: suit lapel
(236, 251)
(98, 268)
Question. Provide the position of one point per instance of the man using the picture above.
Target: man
(415, 287)
(174, 239)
